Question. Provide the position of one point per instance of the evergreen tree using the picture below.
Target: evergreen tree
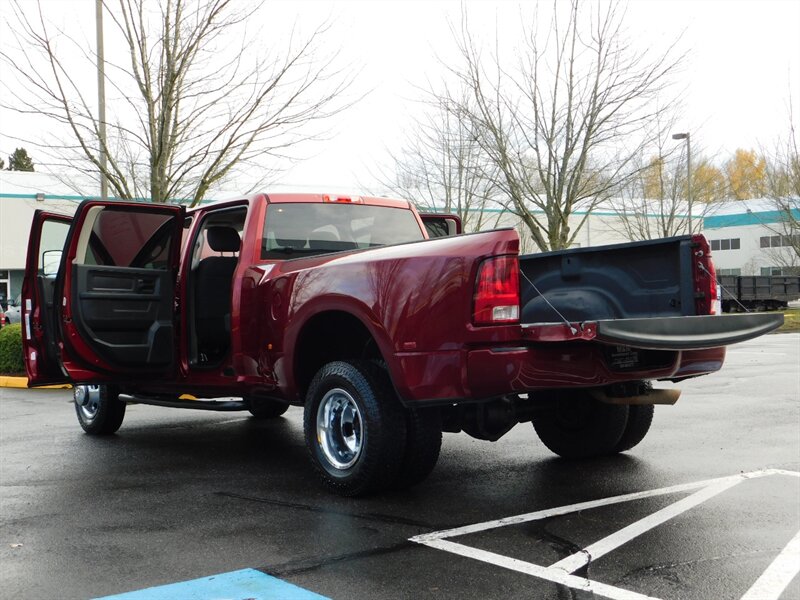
(20, 161)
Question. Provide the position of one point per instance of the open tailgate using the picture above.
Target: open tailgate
(659, 333)
(686, 333)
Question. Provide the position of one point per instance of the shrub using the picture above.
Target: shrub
(11, 362)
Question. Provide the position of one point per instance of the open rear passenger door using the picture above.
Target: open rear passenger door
(115, 309)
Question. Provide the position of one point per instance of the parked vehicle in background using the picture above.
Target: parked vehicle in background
(741, 293)
(13, 311)
(342, 305)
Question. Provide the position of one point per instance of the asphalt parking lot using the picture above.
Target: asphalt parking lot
(708, 506)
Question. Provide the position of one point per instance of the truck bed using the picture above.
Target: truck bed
(622, 281)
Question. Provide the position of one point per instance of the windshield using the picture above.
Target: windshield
(303, 229)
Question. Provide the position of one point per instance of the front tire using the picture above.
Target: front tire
(355, 428)
(264, 408)
(99, 409)
(578, 426)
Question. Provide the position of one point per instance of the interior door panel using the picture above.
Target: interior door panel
(126, 313)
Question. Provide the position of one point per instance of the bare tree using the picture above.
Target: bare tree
(783, 184)
(442, 167)
(563, 126)
(653, 203)
(195, 98)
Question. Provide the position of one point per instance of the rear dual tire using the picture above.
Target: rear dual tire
(360, 438)
(579, 426)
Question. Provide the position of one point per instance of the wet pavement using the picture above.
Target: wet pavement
(707, 506)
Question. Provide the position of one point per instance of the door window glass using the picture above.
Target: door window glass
(125, 238)
(51, 245)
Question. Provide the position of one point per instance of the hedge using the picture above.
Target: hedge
(11, 362)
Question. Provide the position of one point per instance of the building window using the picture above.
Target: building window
(729, 244)
(771, 271)
(729, 271)
(777, 241)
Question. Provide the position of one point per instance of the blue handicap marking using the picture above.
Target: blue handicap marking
(246, 584)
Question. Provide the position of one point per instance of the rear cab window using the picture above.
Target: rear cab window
(292, 230)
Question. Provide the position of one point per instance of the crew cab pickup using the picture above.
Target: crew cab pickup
(386, 338)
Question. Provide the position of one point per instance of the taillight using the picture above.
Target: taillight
(705, 277)
(497, 291)
(343, 199)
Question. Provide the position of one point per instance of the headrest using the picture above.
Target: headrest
(223, 239)
(288, 243)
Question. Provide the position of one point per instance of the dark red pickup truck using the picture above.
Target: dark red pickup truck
(343, 305)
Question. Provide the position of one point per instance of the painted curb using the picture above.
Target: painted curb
(22, 382)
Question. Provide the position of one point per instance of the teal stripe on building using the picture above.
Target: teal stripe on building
(749, 218)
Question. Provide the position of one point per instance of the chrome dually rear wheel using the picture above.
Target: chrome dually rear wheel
(340, 429)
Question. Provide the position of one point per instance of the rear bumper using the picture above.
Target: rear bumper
(591, 354)
(492, 373)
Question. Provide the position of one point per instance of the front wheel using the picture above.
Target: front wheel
(578, 426)
(99, 409)
(264, 408)
(355, 427)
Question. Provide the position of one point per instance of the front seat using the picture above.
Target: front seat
(213, 291)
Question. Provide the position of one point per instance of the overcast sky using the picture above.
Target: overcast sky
(743, 59)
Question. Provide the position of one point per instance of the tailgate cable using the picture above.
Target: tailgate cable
(572, 329)
(724, 289)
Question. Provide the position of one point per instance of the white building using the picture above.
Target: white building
(747, 237)
(22, 193)
(751, 237)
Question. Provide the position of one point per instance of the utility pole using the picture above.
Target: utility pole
(101, 98)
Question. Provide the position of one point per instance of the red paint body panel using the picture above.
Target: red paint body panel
(41, 368)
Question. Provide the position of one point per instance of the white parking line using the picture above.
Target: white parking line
(563, 510)
(602, 547)
(779, 573)
(554, 575)
(769, 585)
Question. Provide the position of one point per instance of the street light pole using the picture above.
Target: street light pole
(687, 137)
(101, 98)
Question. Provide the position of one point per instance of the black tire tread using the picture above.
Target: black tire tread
(110, 413)
(640, 417)
(264, 408)
(423, 444)
(384, 423)
(599, 435)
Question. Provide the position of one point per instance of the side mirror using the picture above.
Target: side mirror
(51, 260)
(441, 225)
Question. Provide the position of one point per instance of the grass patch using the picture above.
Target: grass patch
(791, 321)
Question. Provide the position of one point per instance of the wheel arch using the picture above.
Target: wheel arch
(332, 335)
